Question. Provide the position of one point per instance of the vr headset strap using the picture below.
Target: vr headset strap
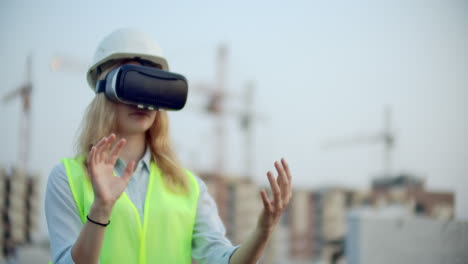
(101, 86)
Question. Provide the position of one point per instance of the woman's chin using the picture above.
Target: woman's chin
(135, 124)
(137, 128)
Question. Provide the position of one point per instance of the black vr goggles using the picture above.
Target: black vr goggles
(145, 87)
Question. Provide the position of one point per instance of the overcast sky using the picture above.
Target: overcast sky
(322, 70)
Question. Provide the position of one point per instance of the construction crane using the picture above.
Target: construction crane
(24, 92)
(19, 189)
(216, 106)
(218, 96)
(386, 136)
(247, 118)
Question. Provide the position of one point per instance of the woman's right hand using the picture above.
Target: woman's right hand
(101, 160)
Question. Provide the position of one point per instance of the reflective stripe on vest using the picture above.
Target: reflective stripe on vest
(166, 234)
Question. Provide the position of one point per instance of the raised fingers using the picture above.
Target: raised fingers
(99, 148)
(109, 144)
(276, 191)
(282, 179)
(285, 182)
(91, 155)
(266, 202)
(286, 168)
(114, 155)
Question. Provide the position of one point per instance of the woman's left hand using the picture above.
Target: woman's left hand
(252, 249)
(281, 189)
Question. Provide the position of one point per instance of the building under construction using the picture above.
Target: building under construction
(317, 218)
(19, 207)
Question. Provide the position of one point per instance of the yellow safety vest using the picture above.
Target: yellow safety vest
(166, 234)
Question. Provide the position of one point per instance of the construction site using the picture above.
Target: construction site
(316, 227)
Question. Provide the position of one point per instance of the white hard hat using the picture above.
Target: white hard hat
(125, 44)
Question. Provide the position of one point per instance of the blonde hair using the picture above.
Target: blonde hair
(100, 121)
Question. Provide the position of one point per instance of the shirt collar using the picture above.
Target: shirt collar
(144, 161)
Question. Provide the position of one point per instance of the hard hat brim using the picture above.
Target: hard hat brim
(92, 72)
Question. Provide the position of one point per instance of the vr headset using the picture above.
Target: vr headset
(146, 87)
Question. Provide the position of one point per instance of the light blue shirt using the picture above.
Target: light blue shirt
(209, 243)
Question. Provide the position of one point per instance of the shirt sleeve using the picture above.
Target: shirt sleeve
(63, 222)
(209, 242)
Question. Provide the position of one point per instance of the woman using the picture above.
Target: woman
(126, 199)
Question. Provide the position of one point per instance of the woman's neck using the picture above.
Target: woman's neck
(135, 147)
